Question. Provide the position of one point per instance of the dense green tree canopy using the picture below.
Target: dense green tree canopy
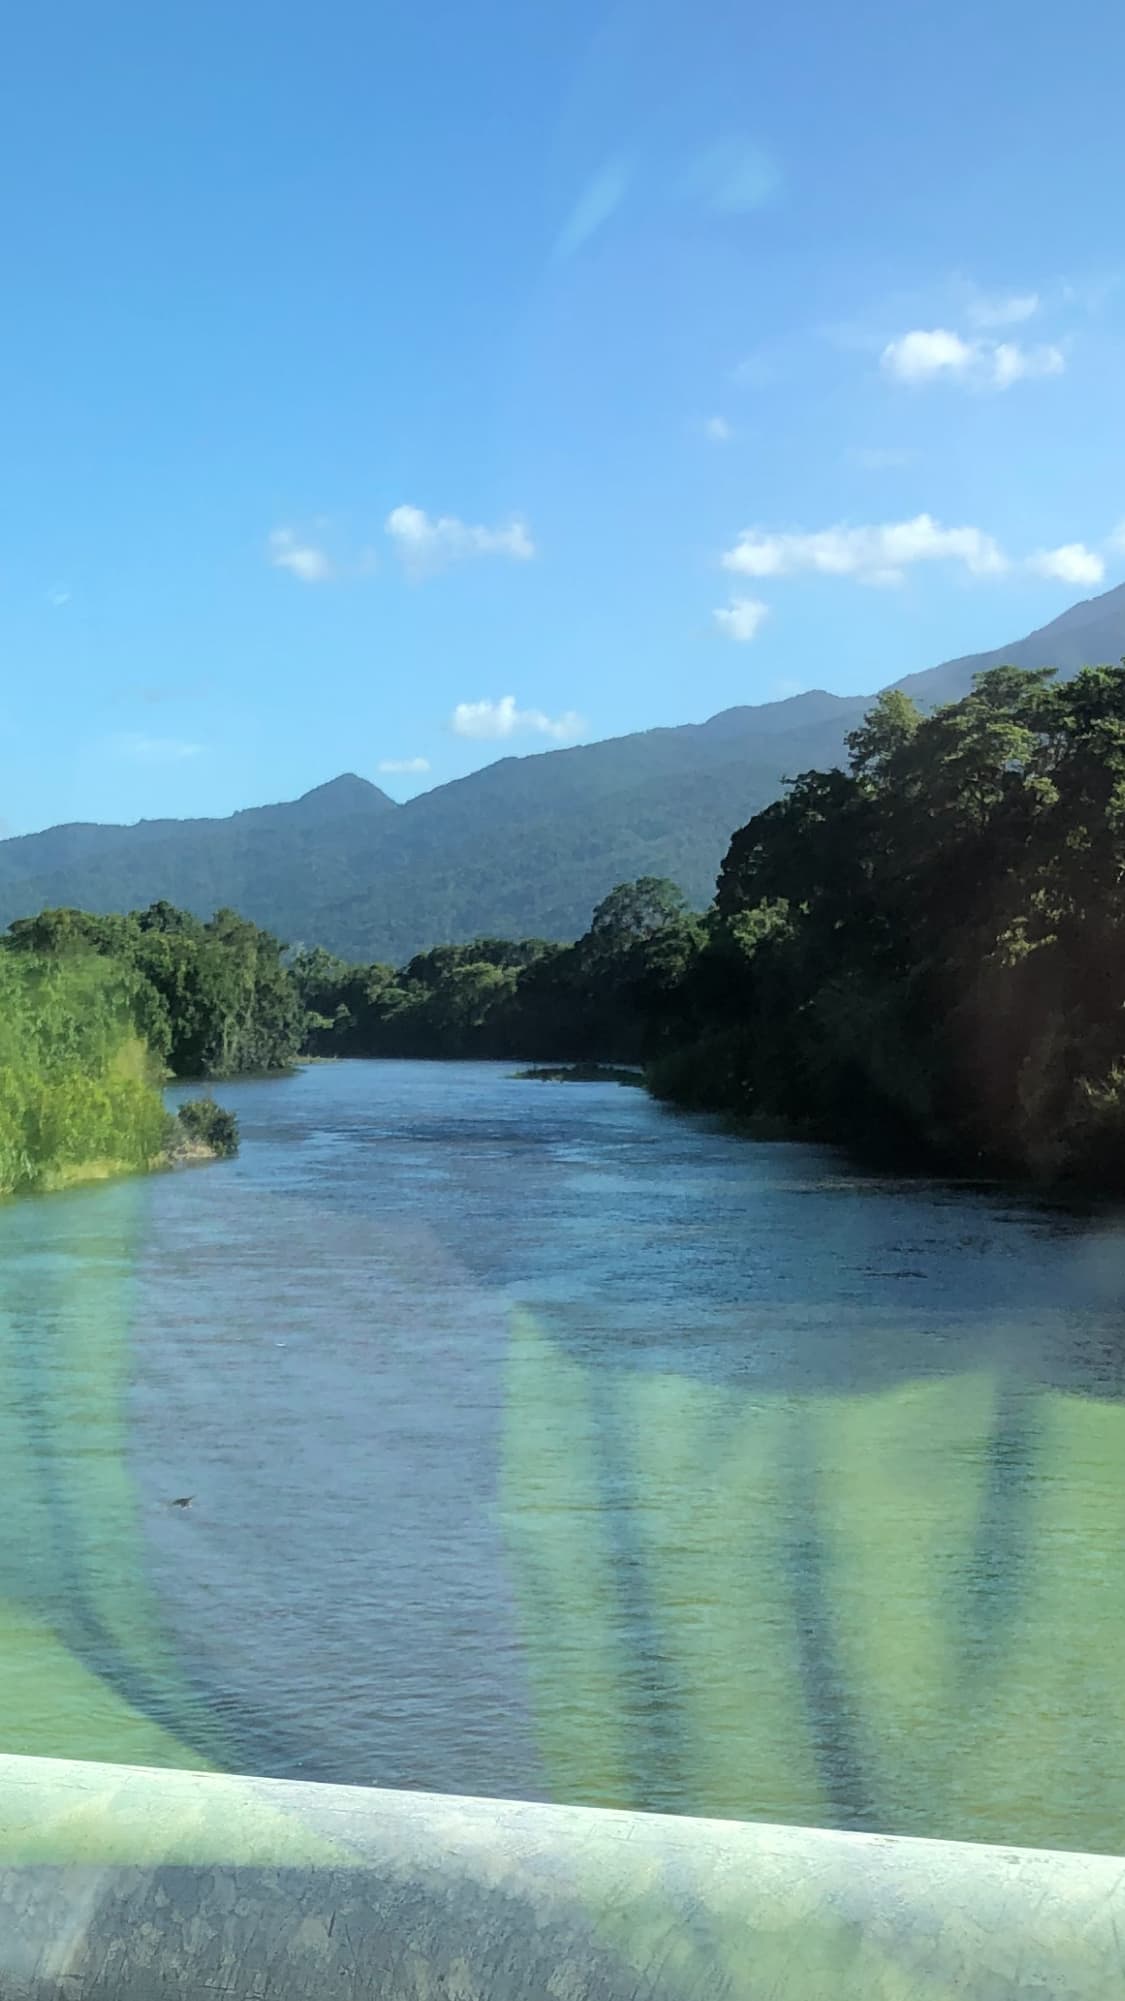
(951, 961)
(210, 999)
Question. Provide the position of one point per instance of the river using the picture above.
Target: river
(543, 1442)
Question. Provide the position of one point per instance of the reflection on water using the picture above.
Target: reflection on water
(544, 1443)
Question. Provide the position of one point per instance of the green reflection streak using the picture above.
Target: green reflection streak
(854, 1612)
(85, 1669)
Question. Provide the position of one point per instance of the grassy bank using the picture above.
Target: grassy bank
(80, 1094)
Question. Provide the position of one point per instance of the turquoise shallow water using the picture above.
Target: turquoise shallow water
(544, 1442)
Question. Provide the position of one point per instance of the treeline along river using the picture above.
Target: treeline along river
(542, 1441)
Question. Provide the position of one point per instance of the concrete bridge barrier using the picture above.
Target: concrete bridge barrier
(121, 1884)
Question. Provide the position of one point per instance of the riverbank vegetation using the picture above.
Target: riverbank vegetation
(203, 1129)
(929, 948)
(76, 1091)
(96, 1012)
(209, 999)
(925, 950)
(583, 1073)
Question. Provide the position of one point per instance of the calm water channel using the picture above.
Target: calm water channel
(543, 1442)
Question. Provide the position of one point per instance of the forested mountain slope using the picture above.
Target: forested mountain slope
(526, 846)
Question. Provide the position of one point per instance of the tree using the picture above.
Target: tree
(932, 944)
(635, 911)
(885, 732)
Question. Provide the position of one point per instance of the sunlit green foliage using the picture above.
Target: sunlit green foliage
(210, 999)
(96, 1011)
(77, 1090)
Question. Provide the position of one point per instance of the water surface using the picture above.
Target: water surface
(544, 1442)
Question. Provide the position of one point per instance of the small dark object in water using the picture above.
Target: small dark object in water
(583, 1073)
(184, 1501)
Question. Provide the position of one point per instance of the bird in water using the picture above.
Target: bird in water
(183, 1501)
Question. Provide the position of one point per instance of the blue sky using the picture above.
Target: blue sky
(418, 384)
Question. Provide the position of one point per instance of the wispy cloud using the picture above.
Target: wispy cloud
(938, 353)
(742, 618)
(879, 554)
(404, 767)
(718, 430)
(154, 749)
(426, 543)
(1089, 295)
(733, 176)
(303, 560)
(758, 370)
(155, 693)
(1073, 563)
(603, 193)
(881, 458)
(493, 721)
(58, 595)
(1010, 310)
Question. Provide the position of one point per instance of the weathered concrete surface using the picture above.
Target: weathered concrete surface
(137, 1885)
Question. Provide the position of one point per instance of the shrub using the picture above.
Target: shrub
(202, 1120)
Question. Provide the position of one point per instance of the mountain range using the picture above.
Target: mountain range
(525, 847)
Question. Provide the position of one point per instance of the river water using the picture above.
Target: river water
(546, 1443)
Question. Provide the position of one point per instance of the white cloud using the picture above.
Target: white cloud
(1010, 363)
(154, 749)
(425, 542)
(58, 595)
(718, 430)
(741, 619)
(920, 356)
(1008, 311)
(491, 721)
(302, 559)
(879, 554)
(929, 355)
(1073, 563)
(403, 766)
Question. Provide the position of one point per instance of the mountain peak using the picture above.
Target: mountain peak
(348, 797)
(348, 794)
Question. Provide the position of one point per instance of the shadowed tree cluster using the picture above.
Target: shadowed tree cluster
(930, 946)
(609, 996)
